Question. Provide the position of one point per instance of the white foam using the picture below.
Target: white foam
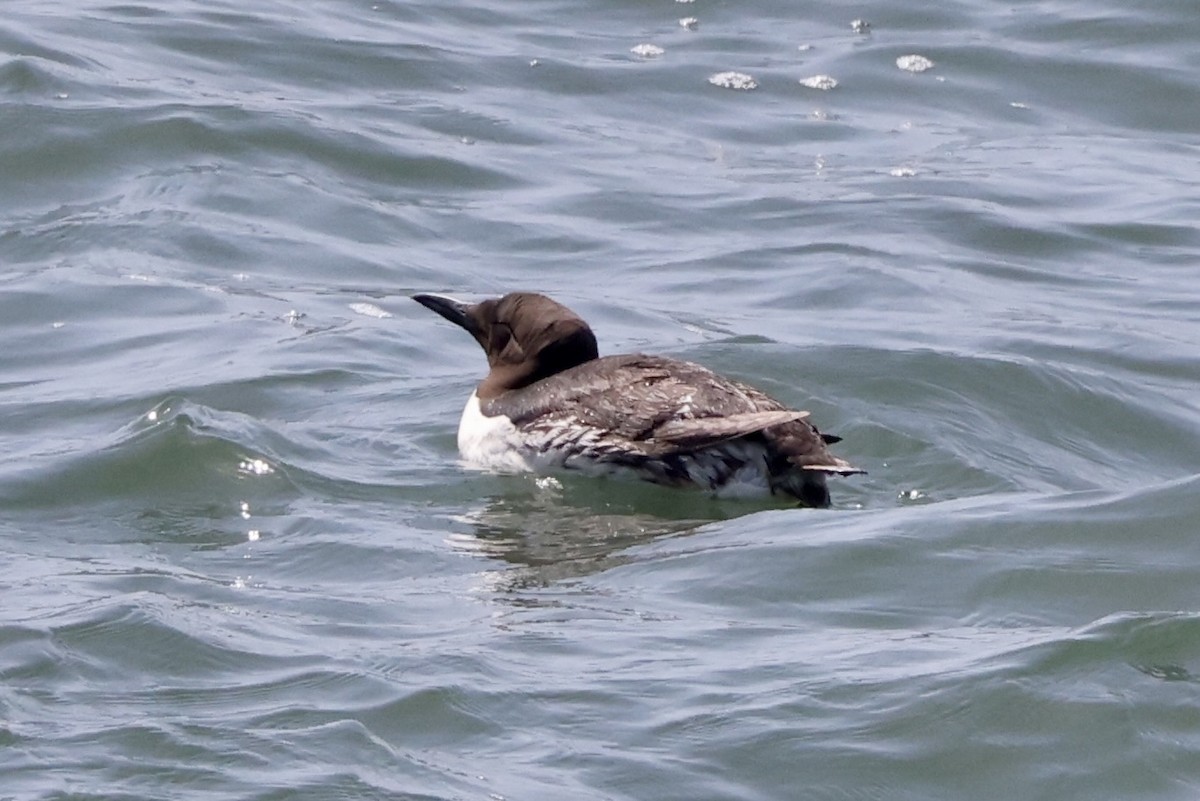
(914, 63)
(733, 80)
(822, 82)
(647, 50)
(370, 310)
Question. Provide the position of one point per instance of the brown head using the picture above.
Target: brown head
(526, 336)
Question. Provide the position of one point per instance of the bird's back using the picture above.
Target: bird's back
(676, 420)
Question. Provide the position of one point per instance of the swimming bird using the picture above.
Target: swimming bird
(550, 401)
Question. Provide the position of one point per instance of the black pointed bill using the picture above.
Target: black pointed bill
(453, 310)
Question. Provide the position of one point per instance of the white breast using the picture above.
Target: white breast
(491, 443)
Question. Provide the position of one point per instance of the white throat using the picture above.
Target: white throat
(491, 443)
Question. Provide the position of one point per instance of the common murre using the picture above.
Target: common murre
(551, 401)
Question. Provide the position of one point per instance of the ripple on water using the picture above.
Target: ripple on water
(242, 561)
(176, 449)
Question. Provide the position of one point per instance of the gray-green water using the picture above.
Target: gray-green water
(238, 558)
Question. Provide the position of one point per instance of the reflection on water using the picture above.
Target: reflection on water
(549, 529)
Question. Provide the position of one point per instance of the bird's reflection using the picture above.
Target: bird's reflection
(548, 530)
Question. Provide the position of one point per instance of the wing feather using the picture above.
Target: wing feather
(701, 432)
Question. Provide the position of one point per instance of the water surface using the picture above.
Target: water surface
(241, 560)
